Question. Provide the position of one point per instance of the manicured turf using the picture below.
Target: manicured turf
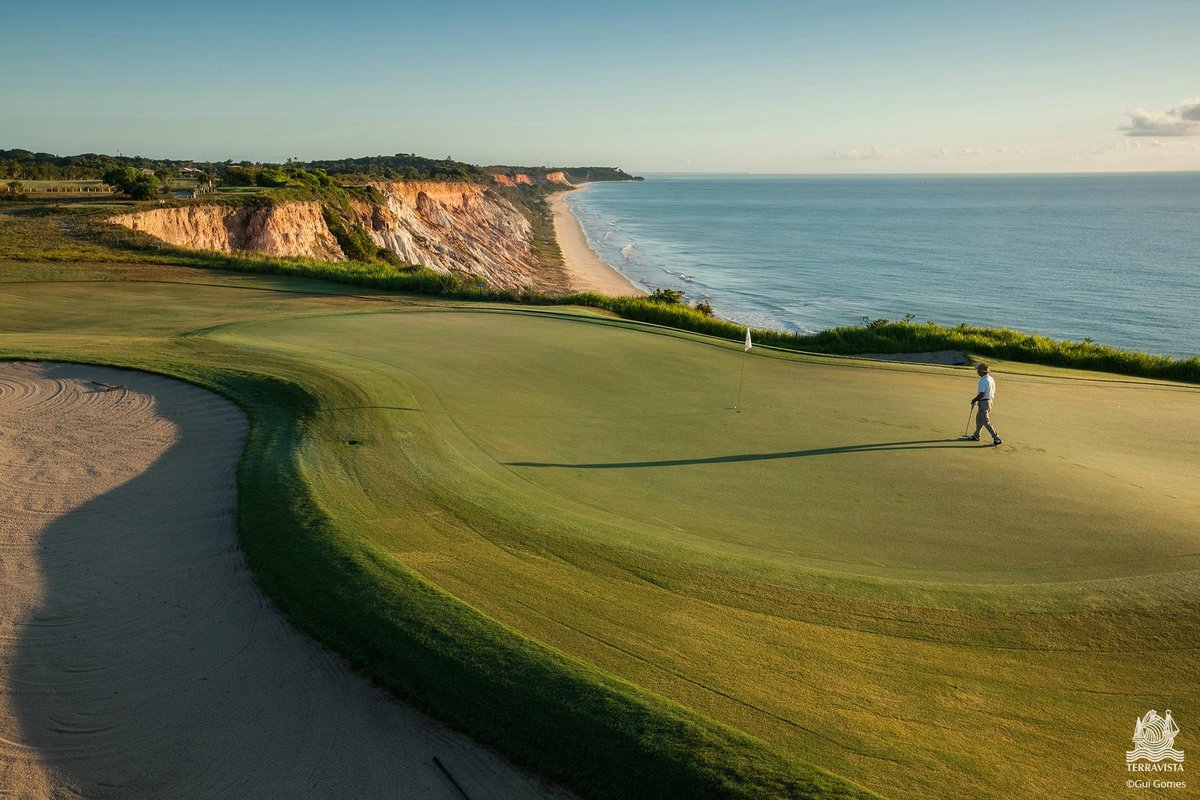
(830, 571)
(854, 468)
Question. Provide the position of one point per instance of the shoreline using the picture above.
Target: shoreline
(586, 271)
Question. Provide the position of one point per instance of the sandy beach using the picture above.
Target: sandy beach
(138, 658)
(585, 270)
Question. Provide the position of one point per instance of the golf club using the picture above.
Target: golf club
(967, 428)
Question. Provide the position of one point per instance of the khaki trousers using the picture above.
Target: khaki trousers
(983, 417)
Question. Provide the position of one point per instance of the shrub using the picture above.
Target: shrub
(240, 176)
(355, 242)
(134, 183)
(670, 297)
(271, 178)
(144, 187)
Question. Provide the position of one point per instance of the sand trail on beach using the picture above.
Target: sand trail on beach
(137, 657)
(585, 271)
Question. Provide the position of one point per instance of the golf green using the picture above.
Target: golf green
(843, 466)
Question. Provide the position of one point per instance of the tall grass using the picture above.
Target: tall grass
(531, 201)
(904, 336)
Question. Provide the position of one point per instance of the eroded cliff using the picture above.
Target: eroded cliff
(287, 229)
(459, 228)
(521, 179)
(455, 227)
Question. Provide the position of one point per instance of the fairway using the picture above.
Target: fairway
(831, 571)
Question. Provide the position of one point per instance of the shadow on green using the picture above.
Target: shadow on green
(879, 447)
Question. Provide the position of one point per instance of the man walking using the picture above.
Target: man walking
(987, 394)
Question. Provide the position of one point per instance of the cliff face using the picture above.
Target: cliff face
(447, 227)
(289, 229)
(454, 227)
(521, 179)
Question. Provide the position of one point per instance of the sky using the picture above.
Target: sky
(652, 86)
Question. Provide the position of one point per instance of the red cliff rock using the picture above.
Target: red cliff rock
(460, 228)
(288, 229)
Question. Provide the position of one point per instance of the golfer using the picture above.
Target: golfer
(985, 398)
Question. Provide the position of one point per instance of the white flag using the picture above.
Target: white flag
(748, 345)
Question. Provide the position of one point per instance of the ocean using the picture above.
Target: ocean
(1113, 258)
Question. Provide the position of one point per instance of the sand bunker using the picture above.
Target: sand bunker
(137, 656)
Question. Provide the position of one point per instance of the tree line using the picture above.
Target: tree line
(27, 165)
(30, 166)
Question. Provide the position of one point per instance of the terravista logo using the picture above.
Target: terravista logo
(1154, 745)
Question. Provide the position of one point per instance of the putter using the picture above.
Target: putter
(966, 430)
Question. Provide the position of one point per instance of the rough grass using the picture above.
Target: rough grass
(531, 201)
(883, 336)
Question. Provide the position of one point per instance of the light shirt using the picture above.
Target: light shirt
(987, 388)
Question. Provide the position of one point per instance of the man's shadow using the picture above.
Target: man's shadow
(917, 444)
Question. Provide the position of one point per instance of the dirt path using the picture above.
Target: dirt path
(137, 657)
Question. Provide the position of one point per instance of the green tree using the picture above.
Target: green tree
(134, 183)
(240, 175)
(120, 178)
(271, 178)
(144, 186)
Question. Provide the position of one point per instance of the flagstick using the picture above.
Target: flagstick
(742, 378)
(741, 383)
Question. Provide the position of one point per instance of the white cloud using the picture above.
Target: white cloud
(1182, 119)
(1180, 152)
(1128, 145)
(969, 152)
(945, 152)
(873, 154)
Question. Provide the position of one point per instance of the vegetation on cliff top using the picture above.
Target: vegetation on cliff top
(574, 174)
(531, 201)
(401, 166)
(20, 164)
(28, 165)
(134, 183)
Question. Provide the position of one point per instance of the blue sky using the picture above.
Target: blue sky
(849, 86)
